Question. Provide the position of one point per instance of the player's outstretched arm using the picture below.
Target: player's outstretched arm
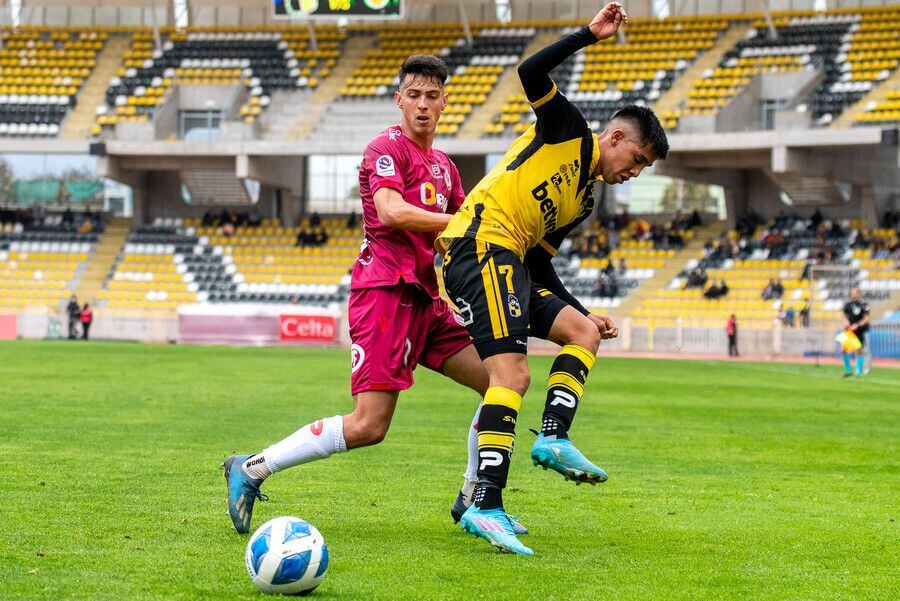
(534, 72)
(393, 211)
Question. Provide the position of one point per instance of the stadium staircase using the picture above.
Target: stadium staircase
(676, 96)
(473, 126)
(877, 95)
(93, 93)
(102, 259)
(282, 111)
(663, 275)
(322, 99)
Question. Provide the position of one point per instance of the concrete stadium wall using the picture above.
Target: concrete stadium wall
(778, 341)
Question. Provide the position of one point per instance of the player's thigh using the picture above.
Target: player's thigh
(466, 367)
(554, 320)
(381, 353)
(448, 349)
(491, 289)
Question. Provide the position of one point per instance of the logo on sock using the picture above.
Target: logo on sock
(490, 459)
(257, 461)
(563, 398)
(317, 428)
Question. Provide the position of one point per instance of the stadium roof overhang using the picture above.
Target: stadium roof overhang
(865, 155)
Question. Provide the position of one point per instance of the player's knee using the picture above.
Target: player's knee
(364, 430)
(517, 378)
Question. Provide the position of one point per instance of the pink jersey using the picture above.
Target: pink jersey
(428, 180)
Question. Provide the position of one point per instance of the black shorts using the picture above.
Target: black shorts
(495, 298)
(542, 311)
(491, 289)
(861, 334)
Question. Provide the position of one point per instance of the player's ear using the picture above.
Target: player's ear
(445, 96)
(397, 98)
(617, 136)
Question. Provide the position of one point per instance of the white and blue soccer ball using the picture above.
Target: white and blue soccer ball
(287, 556)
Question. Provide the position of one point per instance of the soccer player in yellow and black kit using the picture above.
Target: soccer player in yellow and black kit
(498, 246)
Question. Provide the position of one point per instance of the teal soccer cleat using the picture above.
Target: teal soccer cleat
(242, 492)
(460, 506)
(561, 456)
(494, 526)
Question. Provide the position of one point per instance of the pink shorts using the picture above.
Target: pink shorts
(395, 328)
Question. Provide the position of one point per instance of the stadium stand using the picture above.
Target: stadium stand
(262, 59)
(41, 71)
(655, 54)
(770, 276)
(881, 113)
(40, 260)
(176, 261)
(474, 69)
(854, 49)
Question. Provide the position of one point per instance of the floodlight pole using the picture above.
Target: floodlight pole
(313, 43)
(465, 23)
(773, 32)
(156, 37)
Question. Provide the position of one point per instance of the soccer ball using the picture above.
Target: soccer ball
(286, 556)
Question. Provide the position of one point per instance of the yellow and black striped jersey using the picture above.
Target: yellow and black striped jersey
(540, 189)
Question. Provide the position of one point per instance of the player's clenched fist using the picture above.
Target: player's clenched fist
(605, 326)
(607, 21)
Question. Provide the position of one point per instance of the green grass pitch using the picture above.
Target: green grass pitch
(727, 480)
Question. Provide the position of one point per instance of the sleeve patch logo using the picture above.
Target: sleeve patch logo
(384, 166)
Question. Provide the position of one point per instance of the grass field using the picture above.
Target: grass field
(727, 480)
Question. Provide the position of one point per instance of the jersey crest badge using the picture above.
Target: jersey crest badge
(384, 166)
(512, 303)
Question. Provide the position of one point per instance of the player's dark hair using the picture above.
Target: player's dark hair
(648, 126)
(427, 65)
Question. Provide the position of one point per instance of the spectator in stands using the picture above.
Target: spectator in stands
(609, 270)
(304, 237)
(254, 220)
(696, 221)
(623, 268)
(768, 292)
(807, 269)
(73, 311)
(789, 317)
(778, 289)
(890, 219)
(68, 218)
(315, 220)
(320, 236)
(228, 229)
(606, 286)
(697, 278)
(804, 314)
(816, 219)
(612, 239)
(747, 224)
(87, 318)
(863, 240)
(352, 219)
(716, 291)
(835, 231)
(731, 330)
(209, 219)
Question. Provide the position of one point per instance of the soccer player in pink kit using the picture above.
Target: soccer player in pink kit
(397, 319)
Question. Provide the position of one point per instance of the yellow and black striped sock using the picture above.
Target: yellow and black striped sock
(496, 438)
(564, 389)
